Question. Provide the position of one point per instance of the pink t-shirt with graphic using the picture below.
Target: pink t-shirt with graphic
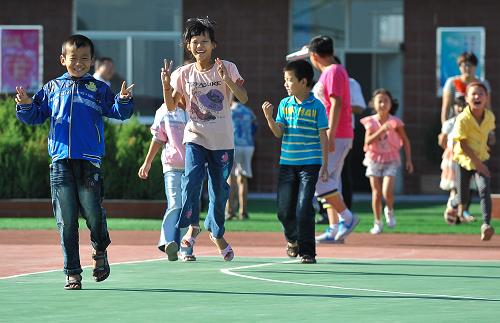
(385, 149)
(208, 102)
(168, 129)
(334, 81)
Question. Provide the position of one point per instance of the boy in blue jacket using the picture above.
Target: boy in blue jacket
(75, 103)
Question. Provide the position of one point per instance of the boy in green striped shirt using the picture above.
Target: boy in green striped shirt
(301, 122)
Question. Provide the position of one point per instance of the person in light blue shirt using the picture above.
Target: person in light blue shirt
(244, 126)
(301, 122)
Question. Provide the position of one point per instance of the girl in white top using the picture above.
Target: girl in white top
(206, 87)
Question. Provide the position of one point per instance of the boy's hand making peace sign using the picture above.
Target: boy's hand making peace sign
(126, 92)
(21, 96)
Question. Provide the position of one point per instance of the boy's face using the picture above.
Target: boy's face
(468, 69)
(292, 85)
(107, 70)
(201, 47)
(77, 60)
(476, 98)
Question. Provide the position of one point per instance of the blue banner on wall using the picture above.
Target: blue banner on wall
(453, 41)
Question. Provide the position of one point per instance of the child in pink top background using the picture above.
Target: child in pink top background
(384, 137)
(168, 132)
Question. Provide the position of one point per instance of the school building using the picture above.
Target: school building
(382, 43)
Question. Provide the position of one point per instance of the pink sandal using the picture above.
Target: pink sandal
(188, 241)
(227, 253)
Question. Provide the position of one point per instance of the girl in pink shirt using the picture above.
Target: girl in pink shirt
(384, 136)
(168, 132)
(206, 86)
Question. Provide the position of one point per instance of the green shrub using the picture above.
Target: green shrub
(24, 160)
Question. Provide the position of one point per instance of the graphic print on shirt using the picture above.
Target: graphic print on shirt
(206, 103)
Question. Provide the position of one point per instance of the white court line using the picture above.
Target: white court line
(89, 266)
(229, 271)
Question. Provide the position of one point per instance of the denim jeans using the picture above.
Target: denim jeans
(173, 192)
(296, 186)
(76, 187)
(218, 164)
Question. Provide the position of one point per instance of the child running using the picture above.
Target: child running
(448, 176)
(168, 130)
(76, 103)
(301, 121)
(206, 86)
(384, 136)
(471, 153)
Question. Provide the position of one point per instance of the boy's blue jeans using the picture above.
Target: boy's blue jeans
(76, 187)
(173, 192)
(218, 163)
(296, 186)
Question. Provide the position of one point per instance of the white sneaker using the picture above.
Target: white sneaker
(377, 228)
(389, 217)
(328, 236)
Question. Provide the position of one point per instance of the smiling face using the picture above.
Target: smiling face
(77, 60)
(382, 104)
(477, 97)
(201, 47)
(292, 85)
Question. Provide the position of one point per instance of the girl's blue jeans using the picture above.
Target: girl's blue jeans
(173, 192)
(76, 188)
(218, 164)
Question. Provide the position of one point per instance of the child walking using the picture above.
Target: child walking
(206, 86)
(301, 121)
(168, 131)
(76, 103)
(471, 153)
(384, 136)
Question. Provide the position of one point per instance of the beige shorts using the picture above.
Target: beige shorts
(242, 164)
(335, 164)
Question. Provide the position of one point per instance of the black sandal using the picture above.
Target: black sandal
(306, 259)
(100, 273)
(73, 282)
(292, 249)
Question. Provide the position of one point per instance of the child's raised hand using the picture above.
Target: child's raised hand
(268, 109)
(126, 92)
(165, 74)
(221, 69)
(21, 96)
(144, 171)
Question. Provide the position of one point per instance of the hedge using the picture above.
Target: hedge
(24, 160)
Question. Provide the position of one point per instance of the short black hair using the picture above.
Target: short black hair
(321, 45)
(337, 60)
(302, 70)
(77, 41)
(197, 27)
(467, 57)
(460, 101)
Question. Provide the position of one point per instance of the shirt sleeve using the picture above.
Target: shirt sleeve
(459, 130)
(158, 126)
(448, 85)
(367, 122)
(321, 116)
(447, 126)
(233, 73)
(280, 118)
(335, 82)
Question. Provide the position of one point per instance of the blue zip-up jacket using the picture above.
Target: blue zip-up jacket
(75, 108)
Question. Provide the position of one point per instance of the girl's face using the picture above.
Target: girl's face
(467, 69)
(201, 47)
(476, 97)
(382, 104)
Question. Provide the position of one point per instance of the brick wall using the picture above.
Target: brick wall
(56, 18)
(254, 35)
(422, 107)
